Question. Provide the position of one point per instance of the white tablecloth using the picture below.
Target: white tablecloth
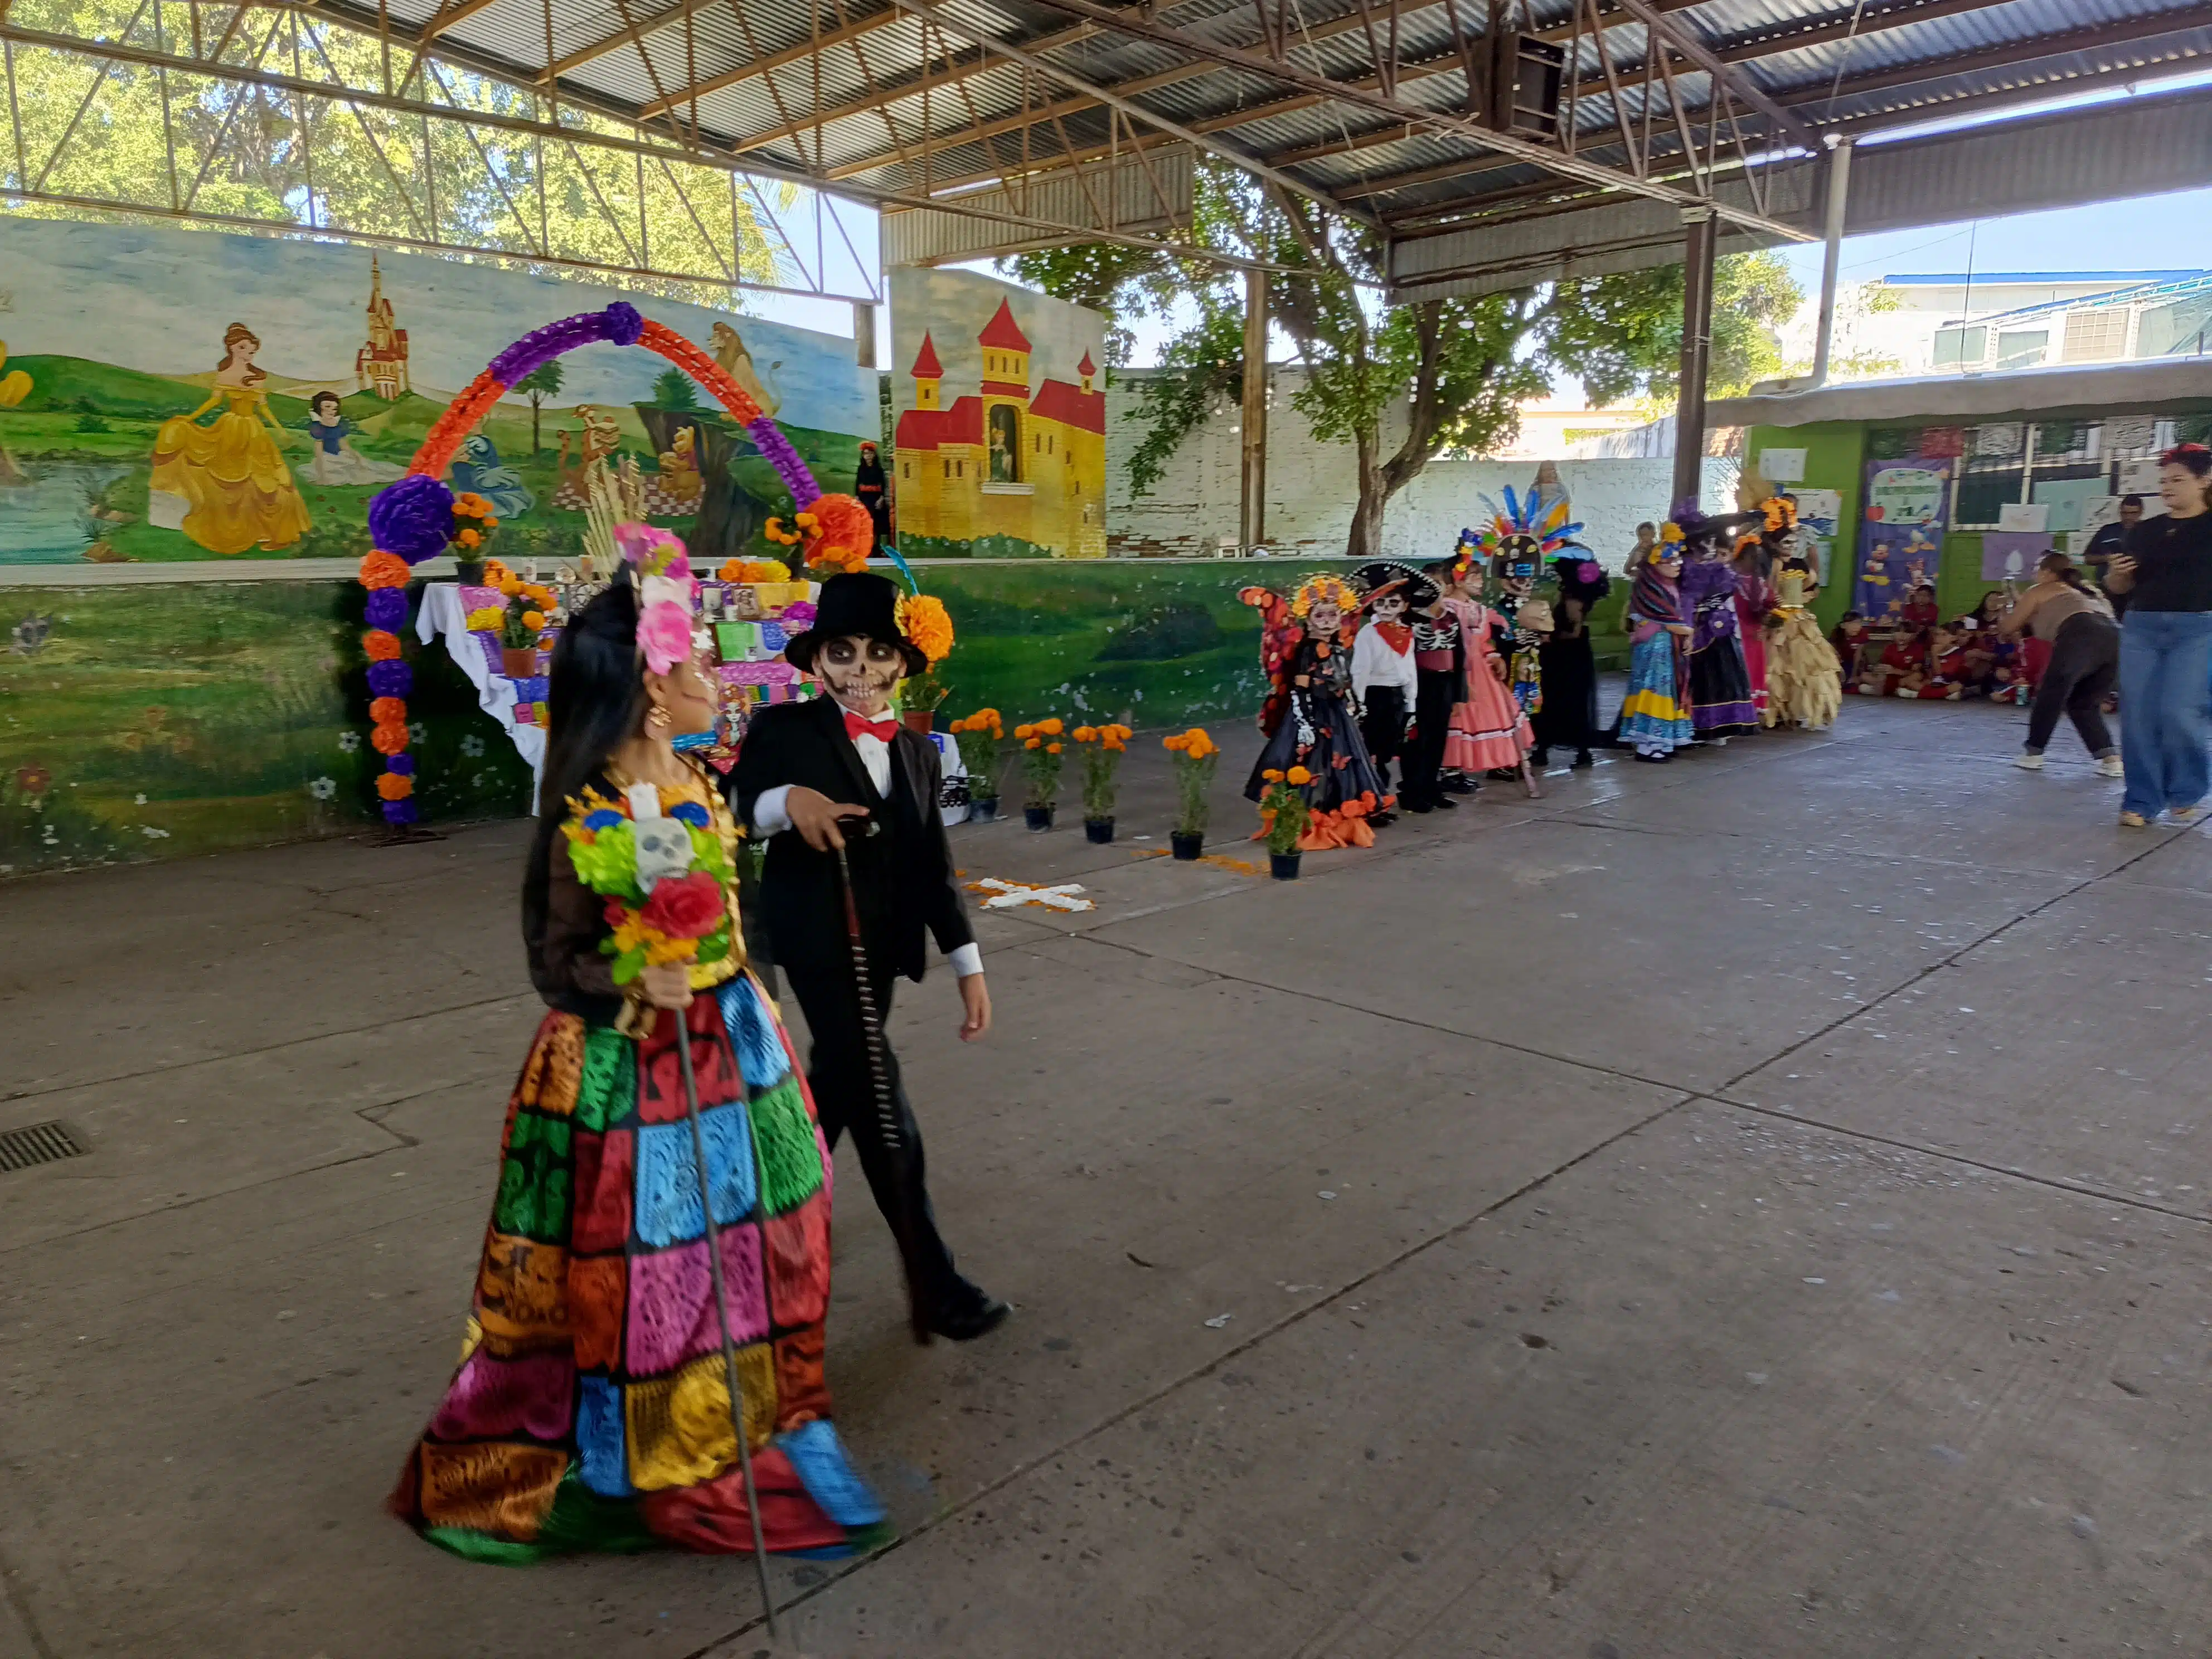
(444, 613)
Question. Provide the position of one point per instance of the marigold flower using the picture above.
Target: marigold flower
(381, 644)
(1175, 743)
(1273, 774)
(1051, 728)
(533, 619)
(381, 570)
(1298, 774)
(1053, 748)
(469, 538)
(1086, 734)
(392, 786)
(1025, 731)
(1033, 742)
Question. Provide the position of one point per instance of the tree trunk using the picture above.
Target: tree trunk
(535, 445)
(1365, 538)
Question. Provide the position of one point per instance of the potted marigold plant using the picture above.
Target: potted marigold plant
(925, 621)
(1196, 754)
(1040, 756)
(979, 735)
(1283, 817)
(1103, 748)
(474, 520)
(519, 628)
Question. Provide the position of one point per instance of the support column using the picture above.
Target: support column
(1839, 185)
(863, 333)
(1251, 512)
(1697, 351)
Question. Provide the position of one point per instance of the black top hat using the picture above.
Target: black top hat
(1418, 592)
(855, 602)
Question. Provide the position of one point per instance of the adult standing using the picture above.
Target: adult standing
(1754, 606)
(2165, 644)
(1567, 718)
(873, 491)
(2112, 538)
(1720, 684)
(2074, 620)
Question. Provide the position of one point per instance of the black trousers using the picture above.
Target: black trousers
(1435, 690)
(845, 1099)
(2084, 666)
(1383, 726)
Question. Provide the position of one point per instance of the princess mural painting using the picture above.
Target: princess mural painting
(225, 485)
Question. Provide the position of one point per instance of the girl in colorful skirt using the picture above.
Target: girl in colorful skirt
(1654, 720)
(591, 1409)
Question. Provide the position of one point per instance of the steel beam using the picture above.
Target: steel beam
(1698, 244)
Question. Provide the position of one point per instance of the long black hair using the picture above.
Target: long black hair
(597, 698)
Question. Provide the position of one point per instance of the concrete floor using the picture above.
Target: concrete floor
(1754, 1207)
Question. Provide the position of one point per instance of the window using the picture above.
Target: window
(2023, 349)
(948, 467)
(1961, 347)
(1003, 436)
(2095, 337)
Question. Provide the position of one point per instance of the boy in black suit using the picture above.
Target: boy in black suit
(840, 771)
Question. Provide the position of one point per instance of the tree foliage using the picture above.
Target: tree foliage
(1400, 385)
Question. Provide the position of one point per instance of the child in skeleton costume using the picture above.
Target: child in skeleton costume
(1719, 683)
(1383, 676)
(1655, 719)
(1311, 716)
(1440, 658)
(841, 774)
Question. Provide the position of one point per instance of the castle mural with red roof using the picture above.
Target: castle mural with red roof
(1006, 469)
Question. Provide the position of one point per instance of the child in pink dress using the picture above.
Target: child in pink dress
(1488, 728)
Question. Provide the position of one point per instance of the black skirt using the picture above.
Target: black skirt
(1567, 718)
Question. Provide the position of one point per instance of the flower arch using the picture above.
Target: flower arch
(412, 520)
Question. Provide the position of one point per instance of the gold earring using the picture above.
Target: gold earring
(660, 718)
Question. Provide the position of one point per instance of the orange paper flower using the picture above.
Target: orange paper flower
(388, 711)
(389, 738)
(392, 786)
(382, 569)
(381, 644)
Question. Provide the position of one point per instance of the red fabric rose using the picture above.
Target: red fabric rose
(684, 907)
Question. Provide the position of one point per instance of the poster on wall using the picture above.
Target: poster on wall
(179, 395)
(1000, 443)
(1900, 532)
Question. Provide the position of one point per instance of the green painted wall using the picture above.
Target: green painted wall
(1835, 458)
(140, 722)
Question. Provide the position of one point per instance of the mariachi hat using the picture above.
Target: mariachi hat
(1418, 592)
(855, 602)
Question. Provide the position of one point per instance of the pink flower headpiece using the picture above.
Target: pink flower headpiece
(665, 588)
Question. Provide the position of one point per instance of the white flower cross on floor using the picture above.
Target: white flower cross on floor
(1006, 895)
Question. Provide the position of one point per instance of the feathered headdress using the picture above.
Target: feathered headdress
(1530, 528)
(662, 570)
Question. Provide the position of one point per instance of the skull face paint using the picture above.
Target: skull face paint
(860, 672)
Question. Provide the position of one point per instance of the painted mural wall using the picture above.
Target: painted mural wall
(177, 395)
(150, 720)
(1000, 436)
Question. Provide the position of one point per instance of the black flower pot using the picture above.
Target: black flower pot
(983, 810)
(470, 572)
(1100, 831)
(1284, 865)
(1037, 817)
(1187, 847)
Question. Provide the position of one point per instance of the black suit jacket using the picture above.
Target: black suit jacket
(903, 875)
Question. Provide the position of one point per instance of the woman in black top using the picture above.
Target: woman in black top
(2166, 645)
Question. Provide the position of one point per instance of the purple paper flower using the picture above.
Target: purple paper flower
(387, 608)
(390, 679)
(543, 344)
(413, 518)
(798, 617)
(623, 323)
(401, 765)
(400, 811)
(768, 439)
(1589, 571)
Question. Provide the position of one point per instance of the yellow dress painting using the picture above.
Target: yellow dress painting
(234, 483)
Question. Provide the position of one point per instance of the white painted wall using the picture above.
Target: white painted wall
(1312, 487)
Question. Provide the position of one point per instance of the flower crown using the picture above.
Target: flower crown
(1780, 514)
(1316, 589)
(664, 590)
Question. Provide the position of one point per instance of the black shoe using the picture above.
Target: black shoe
(969, 1318)
(1655, 760)
(1583, 757)
(1461, 785)
(1380, 819)
(1417, 805)
(1446, 804)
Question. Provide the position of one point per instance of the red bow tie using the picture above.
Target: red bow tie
(859, 725)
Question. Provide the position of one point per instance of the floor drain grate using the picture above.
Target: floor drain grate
(41, 1143)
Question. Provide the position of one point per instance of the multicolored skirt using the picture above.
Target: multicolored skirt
(592, 1408)
(1653, 720)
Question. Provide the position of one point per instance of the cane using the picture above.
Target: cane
(722, 1309)
(890, 1132)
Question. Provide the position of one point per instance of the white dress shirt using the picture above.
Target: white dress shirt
(769, 818)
